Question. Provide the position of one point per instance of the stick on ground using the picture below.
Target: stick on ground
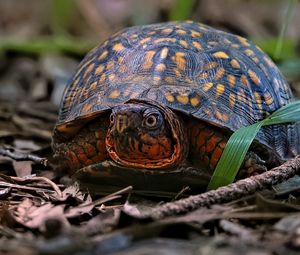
(227, 193)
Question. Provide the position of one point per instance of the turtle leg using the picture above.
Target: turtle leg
(86, 148)
(206, 147)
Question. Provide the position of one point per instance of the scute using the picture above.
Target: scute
(192, 68)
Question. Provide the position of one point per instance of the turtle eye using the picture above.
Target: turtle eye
(151, 121)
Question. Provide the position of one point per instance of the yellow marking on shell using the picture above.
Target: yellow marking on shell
(197, 45)
(234, 45)
(126, 93)
(111, 77)
(227, 41)
(243, 41)
(157, 79)
(152, 33)
(235, 64)
(189, 21)
(241, 97)
(183, 43)
(169, 79)
(179, 59)
(134, 36)
(88, 70)
(269, 61)
(210, 65)
(145, 40)
(180, 32)
(169, 97)
(255, 59)
(122, 68)
(166, 39)
(167, 30)
(102, 78)
(231, 80)
(203, 75)
(99, 69)
(195, 33)
(183, 99)
(148, 62)
(118, 47)
(268, 98)
(195, 101)
(208, 111)
(110, 65)
(114, 94)
(177, 72)
(207, 86)
(244, 80)
(86, 108)
(220, 88)
(134, 94)
(249, 52)
(84, 66)
(220, 54)
(221, 116)
(258, 100)
(103, 55)
(219, 73)
(164, 52)
(253, 76)
(93, 86)
(160, 67)
(231, 100)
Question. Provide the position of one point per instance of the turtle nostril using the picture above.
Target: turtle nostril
(112, 118)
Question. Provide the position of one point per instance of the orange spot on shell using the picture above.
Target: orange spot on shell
(118, 47)
(207, 86)
(148, 60)
(164, 52)
(114, 94)
(231, 100)
(180, 32)
(197, 45)
(195, 101)
(195, 33)
(220, 88)
(220, 54)
(103, 55)
(210, 65)
(253, 76)
(244, 80)
(183, 43)
(166, 39)
(99, 69)
(183, 99)
(231, 80)
(170, 98)
(145, 40)
(160, 67)
(88, 70)
(179, 59)
(219, 74)
(235, 64)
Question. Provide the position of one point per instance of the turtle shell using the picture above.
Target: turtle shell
(200, 71)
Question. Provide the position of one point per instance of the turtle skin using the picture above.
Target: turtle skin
(154, 106)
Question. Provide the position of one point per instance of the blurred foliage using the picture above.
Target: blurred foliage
(61, 13)
(45, 45)
(269, 45)
(287, 19)
(181, 10)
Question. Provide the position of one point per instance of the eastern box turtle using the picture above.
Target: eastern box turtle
(154, 105)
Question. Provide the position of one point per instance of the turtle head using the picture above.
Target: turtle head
(144, 134)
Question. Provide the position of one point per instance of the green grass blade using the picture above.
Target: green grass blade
(238, 144)
(182, 9)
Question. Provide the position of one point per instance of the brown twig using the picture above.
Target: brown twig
(22, 157)
(228, 193)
